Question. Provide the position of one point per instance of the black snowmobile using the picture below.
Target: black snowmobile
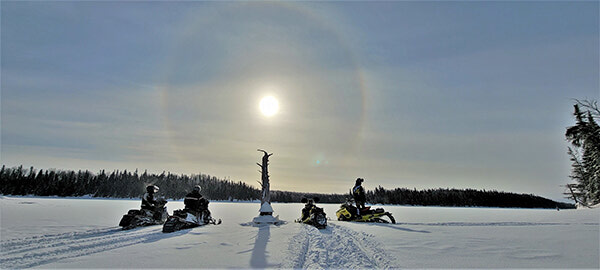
(348, 212)
(186, 219)
(143, 217)
(313, 215)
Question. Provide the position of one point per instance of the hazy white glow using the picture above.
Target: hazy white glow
(269, 106)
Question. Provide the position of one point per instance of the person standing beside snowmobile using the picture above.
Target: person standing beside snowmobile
(195, 204)
(358, 192)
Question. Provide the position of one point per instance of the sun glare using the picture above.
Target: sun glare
(269, 106)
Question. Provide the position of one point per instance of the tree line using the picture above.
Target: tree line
(117, 184)
(584, 153)
(461, 197)
(128, 184)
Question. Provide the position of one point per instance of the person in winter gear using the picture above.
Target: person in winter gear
(358, 192)
(195, 204)
(150, 206)
(313, 215)
(148, 201)
(194, 214)
(309, 204)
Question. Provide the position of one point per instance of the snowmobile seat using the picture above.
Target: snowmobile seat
(146, 212)
(180, 213)
(134, 212)
(366, 209)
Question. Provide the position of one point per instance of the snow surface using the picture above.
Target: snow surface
(83, 233)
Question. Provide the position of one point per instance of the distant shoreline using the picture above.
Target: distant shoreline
(2, 196)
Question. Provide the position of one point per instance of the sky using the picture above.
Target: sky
(436, 94)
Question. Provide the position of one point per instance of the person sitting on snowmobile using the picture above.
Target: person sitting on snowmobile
(313, 215)
(358, 192)
(306, 210)
(148, 201)
(195, 204)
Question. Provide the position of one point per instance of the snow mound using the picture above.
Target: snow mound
(266, 208)
(264, 220)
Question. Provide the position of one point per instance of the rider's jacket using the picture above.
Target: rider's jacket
(194, 201)
(358, 193)
(148, 201)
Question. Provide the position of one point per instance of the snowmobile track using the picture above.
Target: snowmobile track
(39, 250)
(335, 247)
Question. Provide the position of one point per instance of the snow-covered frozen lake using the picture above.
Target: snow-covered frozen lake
(83, 233)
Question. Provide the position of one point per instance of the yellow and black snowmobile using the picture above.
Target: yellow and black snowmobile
(348, 212)
(313, 215)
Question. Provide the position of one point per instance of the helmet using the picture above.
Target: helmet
(152, 188)
(307, 201)
(359, 181)
(197, 188)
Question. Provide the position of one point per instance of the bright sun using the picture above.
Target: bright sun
(269, 106)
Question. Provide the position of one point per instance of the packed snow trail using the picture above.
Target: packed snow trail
(38, 250)
(335, 247)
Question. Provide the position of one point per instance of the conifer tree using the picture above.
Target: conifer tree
(584, 136)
